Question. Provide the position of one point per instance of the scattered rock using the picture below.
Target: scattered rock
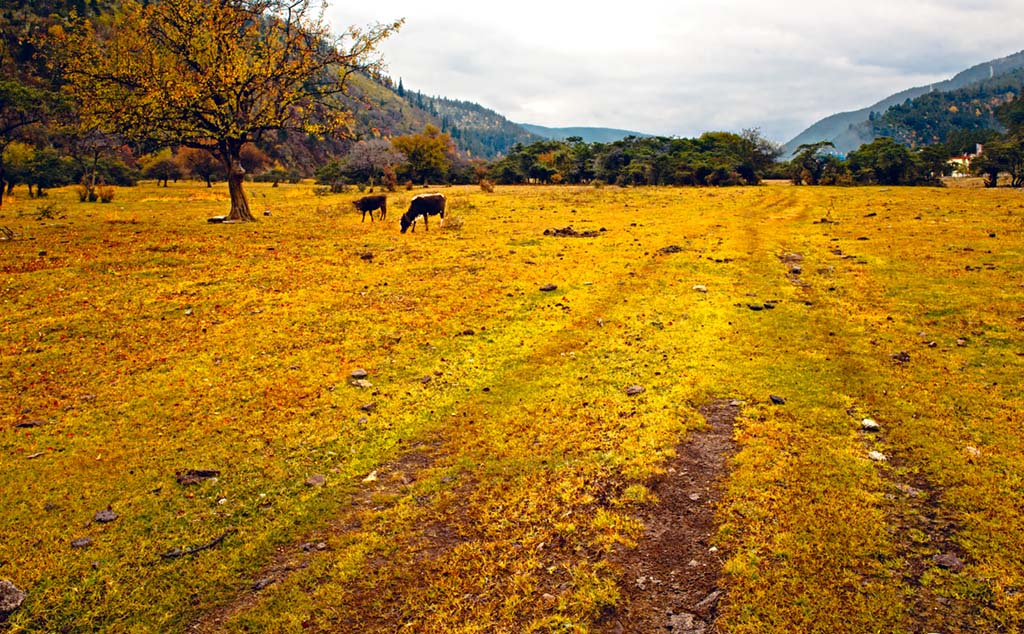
(11, 598)
(367, 257)
(755, 307)
(694, 497)
(634, 390)
(709, 602)
(869, 424)
(700, 288)
(217, 219)
(263, 583)
(316, 481)
(81, 542)
(362, 384)
(791, 258)
(948, 561)
(901, 357)
(359, 373)
(909, 490)
(669, 250)
(266, 212)
(311, 546)
(769, 305)
(189, 477)
(972, 451)
(105, 516)
(547, 288)
(777, 400)
(686, 623)
(368, 407)
(961, 343)
(796, 269)
(878, 456)
(371, 478)
(426, 379)
(29, 424)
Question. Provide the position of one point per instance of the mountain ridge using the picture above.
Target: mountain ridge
(849, 130)
(587, 133)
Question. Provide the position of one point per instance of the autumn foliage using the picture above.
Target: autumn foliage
(215, 75)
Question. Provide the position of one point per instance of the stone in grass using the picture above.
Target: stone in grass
(948, 561)
(634, 390)
(362, 384)
(105, 516)
(216, 220)
(686, 623)
(81, 542)
(316, 481)
(547, 288)
(869, 424)
(878, 456)
(11, 598)
(700, 288)
(359, 373)
(777, 400)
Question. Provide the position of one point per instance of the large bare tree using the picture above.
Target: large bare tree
(216, 74)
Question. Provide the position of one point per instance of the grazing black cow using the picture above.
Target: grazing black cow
(369, 203)
(423, 205)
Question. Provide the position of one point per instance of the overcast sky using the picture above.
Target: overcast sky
(686, 66)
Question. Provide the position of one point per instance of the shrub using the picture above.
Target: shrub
(408, 185)
(452, 223)
(106, 193)
(487, 186)
(49, 211)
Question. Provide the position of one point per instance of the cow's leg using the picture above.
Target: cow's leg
(364, 216)
(383, 211)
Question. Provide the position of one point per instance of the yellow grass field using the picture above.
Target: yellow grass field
(497, 469)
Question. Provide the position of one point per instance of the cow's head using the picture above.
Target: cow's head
(406, 222)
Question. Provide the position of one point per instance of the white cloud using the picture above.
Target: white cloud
(684, 67)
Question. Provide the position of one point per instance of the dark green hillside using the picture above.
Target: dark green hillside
(850, 130)
(931, 118)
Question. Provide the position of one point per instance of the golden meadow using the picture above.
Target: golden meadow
(497, 457)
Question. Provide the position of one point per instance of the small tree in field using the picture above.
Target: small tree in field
(216, 74)
(200, 164)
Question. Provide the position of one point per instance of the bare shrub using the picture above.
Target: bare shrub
(487, 186)
(106, 193)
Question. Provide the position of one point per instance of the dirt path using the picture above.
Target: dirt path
(670, 581)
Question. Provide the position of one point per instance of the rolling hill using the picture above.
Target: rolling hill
(589, 135)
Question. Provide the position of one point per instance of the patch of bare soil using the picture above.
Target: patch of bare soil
(390, 479)
(670, 582)
(925, 533)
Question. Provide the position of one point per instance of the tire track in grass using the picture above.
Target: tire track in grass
(436, 528)
(672, 577)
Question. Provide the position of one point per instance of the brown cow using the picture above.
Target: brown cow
(370, 203)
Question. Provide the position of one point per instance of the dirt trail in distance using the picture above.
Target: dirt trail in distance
(670, 580)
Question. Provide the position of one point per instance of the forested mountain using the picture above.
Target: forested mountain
(850, 130)
(589, 135)
(383, 109)
(933, 117)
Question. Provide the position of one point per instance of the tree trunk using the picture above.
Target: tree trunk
(3, 175)
(239, 203)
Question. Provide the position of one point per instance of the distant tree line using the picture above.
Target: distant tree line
(714, 158)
